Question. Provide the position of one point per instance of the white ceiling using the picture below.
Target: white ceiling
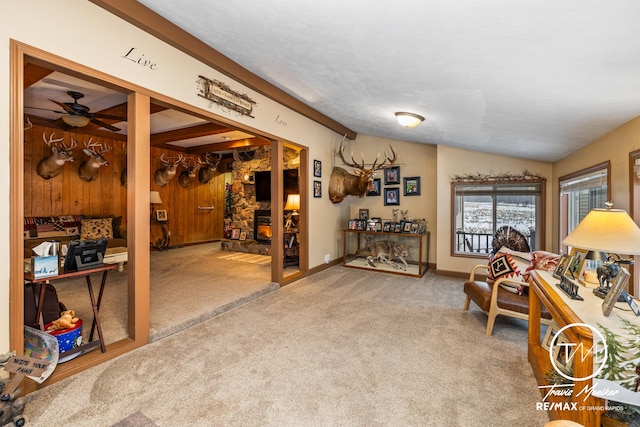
(536, 79)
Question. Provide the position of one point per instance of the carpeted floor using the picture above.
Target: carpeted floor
(343, 347)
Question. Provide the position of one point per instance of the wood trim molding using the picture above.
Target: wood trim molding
(154, 24)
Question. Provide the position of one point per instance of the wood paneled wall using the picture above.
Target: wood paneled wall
(67, 194)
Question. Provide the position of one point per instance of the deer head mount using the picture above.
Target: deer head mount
(50, 166)
(162, 176)
(209, 168)
(343, 183)
(191, 167)
(90, 168)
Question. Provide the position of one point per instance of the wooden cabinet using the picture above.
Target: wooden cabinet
(355, 253)
(591, 381)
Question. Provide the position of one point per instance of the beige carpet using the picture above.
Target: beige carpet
(344, 347)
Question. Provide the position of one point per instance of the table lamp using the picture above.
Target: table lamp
(606, 230)
(154, 199)
(293, 204)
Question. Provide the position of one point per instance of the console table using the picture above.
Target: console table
(95, 304)
(617, 329)
(356, 240)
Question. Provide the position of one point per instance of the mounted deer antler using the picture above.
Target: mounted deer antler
(50, 166)
(192, 166)
(343, 183)
(162, 176)
(90, 168)
(208, 170)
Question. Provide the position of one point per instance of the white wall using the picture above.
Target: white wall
(456, 161)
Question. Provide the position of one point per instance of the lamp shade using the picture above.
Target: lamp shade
(293, 203)
(606, 230)
(75, 120)
(154, 198)
(409, 120)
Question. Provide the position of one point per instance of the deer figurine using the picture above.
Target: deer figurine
(192, 166)
(162, 176)
(209, 168)
(90, 168)
(50, 166)
(343, 183)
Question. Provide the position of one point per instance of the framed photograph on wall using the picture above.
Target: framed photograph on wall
(375, 191)
(392, 196)
(363, 214)
(392, 175)
(317, 168)
(411, 186)
(620, 281)
(317, 189)
(161, 215)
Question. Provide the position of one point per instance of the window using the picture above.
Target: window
(581, 192)
(480, 209)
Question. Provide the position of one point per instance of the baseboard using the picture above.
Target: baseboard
(458, 274)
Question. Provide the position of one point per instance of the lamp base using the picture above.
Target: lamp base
(601, 292)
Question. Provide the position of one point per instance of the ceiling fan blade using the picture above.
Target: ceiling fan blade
(108, 117)
(64, 106)
(47, 109)
(104, 125)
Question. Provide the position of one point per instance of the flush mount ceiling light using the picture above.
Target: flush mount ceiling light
(409, 120)
(75, 120)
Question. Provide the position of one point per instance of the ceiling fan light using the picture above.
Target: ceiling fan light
(75, 120)
(409, 120)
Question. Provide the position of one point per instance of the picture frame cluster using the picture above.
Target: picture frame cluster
(375, 224)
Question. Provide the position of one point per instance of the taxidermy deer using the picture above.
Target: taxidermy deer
(162, 176)
(343, 183)
(90, 168)
(191, 169)
(209, 168)
(50, 167)
(385, 251)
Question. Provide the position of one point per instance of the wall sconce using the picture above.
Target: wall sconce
(409, 120)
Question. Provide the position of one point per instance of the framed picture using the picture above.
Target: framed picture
(371, 225)
(317, 168)
(576, 264)
(412, 186)
(361, 224)
(161, 215)
(397, 227)
(363, 214)
(235, 233)
(317, 189)
(552, 330)
(619, 283)
(386, 226)
(375, 191)
(392, 196)
(392, 175)
(561, 267)
(243, 235)
(563, 352)
(353, 224)
(378, 226)
(406, 228)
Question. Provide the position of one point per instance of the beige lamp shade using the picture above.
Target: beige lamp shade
(75, 120)
(293, 203)
(154, 198)
(606, 230)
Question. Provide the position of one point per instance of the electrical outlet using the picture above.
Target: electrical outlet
(327, 258)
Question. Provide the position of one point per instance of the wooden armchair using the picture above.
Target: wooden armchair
(493, 299)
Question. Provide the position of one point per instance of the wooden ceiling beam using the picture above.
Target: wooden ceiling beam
(190, 132)
(228, 145)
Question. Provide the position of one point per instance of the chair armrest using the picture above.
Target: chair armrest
(504, 280)
(472, 274)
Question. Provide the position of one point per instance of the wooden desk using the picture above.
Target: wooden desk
(95, 304)
(588, 313)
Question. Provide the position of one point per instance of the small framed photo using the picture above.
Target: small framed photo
(371, 225)
(392, 196)
(397, 227)
(353, 224)
(360, 224)
(563, 352)
(161, 215)
(375, 188)
(392, 175)
(558, 273)
(552, 330)
(576, 264)
(378, 226)
(406, 227)
(235, 233)
(317, 168)
(619, 283)
(243, 235)
(414, 227)
(363, 214)
(317, 189)
(412, 186)
(386, 226)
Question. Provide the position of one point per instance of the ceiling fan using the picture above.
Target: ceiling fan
(78, 115)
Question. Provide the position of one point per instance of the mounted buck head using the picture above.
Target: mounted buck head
(90, 168)
(343, 183)
(50, 167)
(209, 169)
(191, 166)
(161, 177)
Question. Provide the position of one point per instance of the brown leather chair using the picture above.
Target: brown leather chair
(493, 299)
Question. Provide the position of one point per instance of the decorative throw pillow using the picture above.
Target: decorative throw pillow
(92, 229)
(510, 264)
(542, 260)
